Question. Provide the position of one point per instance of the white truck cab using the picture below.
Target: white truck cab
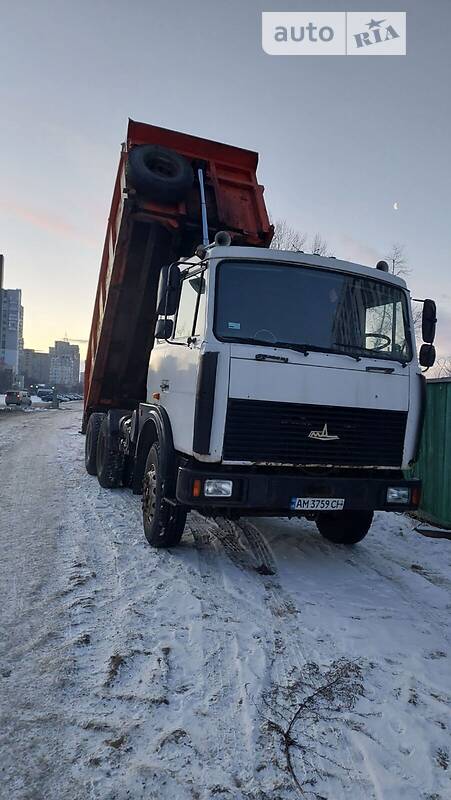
(289, 384)
(290, 328)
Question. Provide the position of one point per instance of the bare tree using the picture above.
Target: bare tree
(397, 260)
(287, 238)
(319, 245)
(442, 367)
(417, 314)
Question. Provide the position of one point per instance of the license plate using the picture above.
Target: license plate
(317, 503)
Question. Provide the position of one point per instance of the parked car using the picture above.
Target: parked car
(17, 398)
(46, 397)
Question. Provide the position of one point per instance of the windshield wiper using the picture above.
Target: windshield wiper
(307, 348)
(371, 353)
(298, 348)
(353, 347)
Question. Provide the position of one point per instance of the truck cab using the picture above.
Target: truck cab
(290, 383)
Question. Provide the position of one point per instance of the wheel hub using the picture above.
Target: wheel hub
(150, 493)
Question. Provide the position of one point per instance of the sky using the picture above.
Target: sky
(340, 139)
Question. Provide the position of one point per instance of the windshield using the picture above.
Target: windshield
(311, 309)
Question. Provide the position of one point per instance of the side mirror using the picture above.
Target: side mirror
(163, 328)
(427, 355)
(168, 290)
(429, 321)
(162, 290)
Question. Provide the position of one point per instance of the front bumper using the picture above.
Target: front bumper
(272, 492)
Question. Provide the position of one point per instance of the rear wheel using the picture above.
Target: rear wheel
(163, 522)
(110, 461)
(344, 527)
(92, 435)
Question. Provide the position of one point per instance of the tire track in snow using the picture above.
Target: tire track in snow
(114, 716)
(285, 653)
(295, 653)
(35, 722)
(234, 717)
(216, 662)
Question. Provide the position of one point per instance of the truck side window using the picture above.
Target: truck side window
(191, 312)
(185, 314)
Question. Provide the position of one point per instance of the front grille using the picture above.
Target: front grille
(258, 430)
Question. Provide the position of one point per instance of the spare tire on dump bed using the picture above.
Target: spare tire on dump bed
(159, 173)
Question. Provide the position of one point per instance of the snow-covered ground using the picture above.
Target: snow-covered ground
(252, 662)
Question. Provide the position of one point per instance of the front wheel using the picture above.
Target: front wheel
(344, 527)
(163, 522)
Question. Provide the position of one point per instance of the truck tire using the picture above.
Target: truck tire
(159, 173)
(163, 522)
(110, 461)
(92, 435)
(344, 527)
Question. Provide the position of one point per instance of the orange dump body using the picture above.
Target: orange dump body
(142, 235)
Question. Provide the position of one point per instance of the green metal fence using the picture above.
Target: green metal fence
(434, 463)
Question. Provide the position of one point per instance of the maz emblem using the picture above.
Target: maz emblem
(323, 435)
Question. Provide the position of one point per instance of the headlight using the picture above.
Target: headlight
(218, 488)
(398, 494)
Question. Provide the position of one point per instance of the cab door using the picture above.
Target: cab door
(174, 364)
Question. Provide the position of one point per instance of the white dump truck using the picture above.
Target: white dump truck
(278, 384)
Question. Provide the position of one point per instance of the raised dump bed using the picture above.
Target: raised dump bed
(156, 218)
